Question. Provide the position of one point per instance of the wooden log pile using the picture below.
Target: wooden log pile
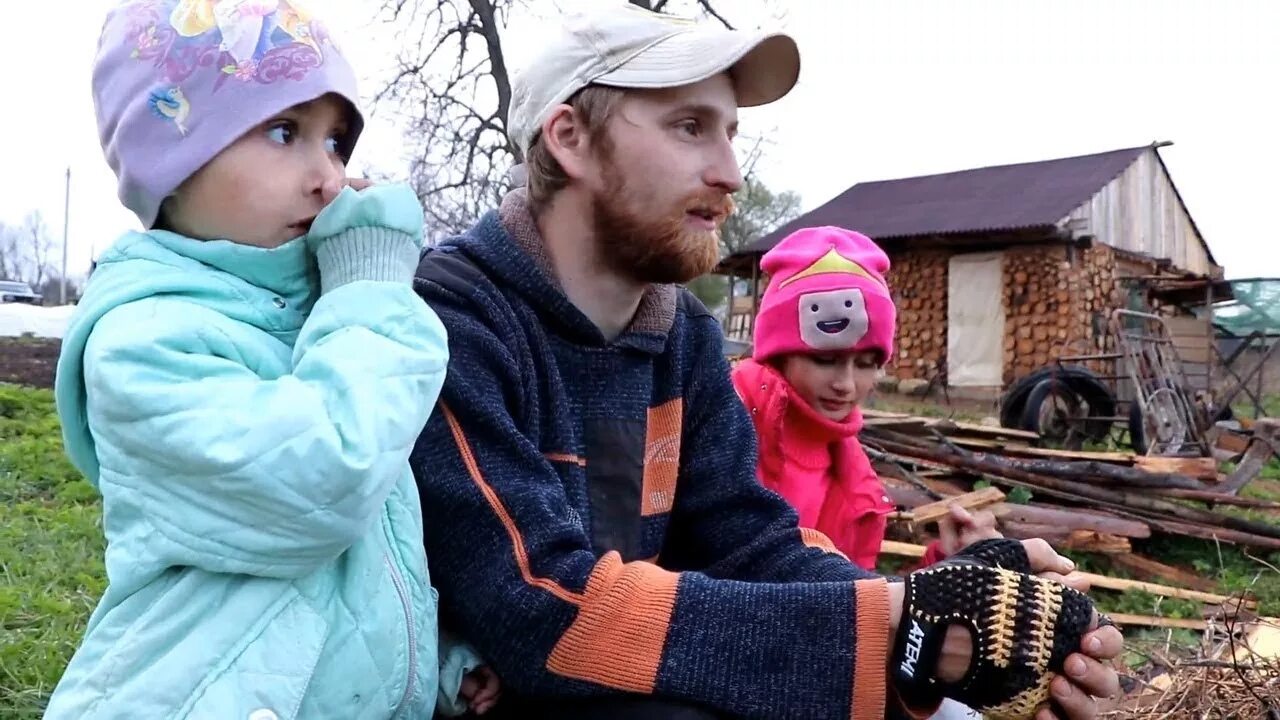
(1102, 503)
(919, 282)
(1081, 500)
(1051, 297)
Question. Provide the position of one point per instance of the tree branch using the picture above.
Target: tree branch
(706, 5)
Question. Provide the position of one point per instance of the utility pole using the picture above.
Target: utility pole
(66, 222)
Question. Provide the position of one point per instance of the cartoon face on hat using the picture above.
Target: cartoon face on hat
(827, 293)
(833, 320)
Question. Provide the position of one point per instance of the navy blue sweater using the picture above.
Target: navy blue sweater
(593, 520)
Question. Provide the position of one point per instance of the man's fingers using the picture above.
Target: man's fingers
(1073, 703)
(1044, 558)
(1091, 677)
(1104, 643)
(961, 515)
(1073, 580)
(948, 535)
(359, 184)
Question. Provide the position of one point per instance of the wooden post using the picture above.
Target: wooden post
(755, 296)
(728, 313)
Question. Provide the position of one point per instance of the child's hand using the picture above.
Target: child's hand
(331, 189)
(481, 689)
(962, 528)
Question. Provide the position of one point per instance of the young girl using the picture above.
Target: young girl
(824, 331)
(243, 382)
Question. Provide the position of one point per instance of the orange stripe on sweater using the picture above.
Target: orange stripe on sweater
(566, 458)
(871, 663)
(621, 630)
(661, 458)
(815, 539)
(495, 503)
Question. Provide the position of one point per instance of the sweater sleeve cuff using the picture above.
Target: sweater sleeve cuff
(871, 640)
(366, 253)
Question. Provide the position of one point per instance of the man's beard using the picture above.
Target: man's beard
(659, 249)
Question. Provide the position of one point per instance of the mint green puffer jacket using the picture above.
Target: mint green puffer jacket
(247, 415)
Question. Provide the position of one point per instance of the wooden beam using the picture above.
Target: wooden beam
(935, 511)
(1120, 458)
(1066, 539)
(1151, 570)
(1201, 468)
(1110, 583)
(901, 549)
(1127, 620)
(1072, 519)
(891, 547)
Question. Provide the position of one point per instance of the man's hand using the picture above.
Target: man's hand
(1090, 680)
(481, 689)
(961, 528)
(1091, 684)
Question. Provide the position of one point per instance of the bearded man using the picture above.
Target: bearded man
(592, 515)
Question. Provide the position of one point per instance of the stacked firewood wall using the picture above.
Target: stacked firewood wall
(1057, 301)
(918, 280)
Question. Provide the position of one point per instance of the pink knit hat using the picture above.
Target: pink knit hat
(826, 293)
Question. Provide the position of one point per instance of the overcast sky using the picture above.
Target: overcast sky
(888, 88)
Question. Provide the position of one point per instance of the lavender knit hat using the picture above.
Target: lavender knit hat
(177, 81)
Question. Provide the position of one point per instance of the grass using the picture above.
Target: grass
(51, 549)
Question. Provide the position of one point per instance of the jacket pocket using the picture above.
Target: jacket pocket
(266, 675)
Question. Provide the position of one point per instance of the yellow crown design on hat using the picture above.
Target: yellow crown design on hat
(832, 262)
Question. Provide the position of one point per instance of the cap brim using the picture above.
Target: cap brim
(764, 66)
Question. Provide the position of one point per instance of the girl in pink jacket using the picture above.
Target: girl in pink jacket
(824, 331)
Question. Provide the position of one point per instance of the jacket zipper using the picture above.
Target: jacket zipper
(403, 591)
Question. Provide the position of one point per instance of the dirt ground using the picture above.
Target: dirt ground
(28, 361)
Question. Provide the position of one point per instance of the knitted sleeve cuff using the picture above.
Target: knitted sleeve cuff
(366, 253)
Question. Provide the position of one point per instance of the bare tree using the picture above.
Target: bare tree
(40, 246)
(10, 266)
(758, 209)
(26, 250)
(758, 212)
(454, 85)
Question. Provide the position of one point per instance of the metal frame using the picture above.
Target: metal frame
(1163, 392)
(1143, 352)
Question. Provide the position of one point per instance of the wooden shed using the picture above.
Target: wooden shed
(997, 270)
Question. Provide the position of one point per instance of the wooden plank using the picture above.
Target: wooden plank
(1263, 641)
(904, 424)
(1201, 468)
(1151, 570)
(1187, 326)
(1119, 458)
(1071, 520)
(1110, 583)
(1232, 442)
(1066, 539)
(1127, 620)
(1198, 354)
(946, 426)
(892, 547)
(989, 431)
(935, 511)
(901, 549)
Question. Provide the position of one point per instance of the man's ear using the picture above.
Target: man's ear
(565, 137)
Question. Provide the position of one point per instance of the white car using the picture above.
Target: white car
(18, 292)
